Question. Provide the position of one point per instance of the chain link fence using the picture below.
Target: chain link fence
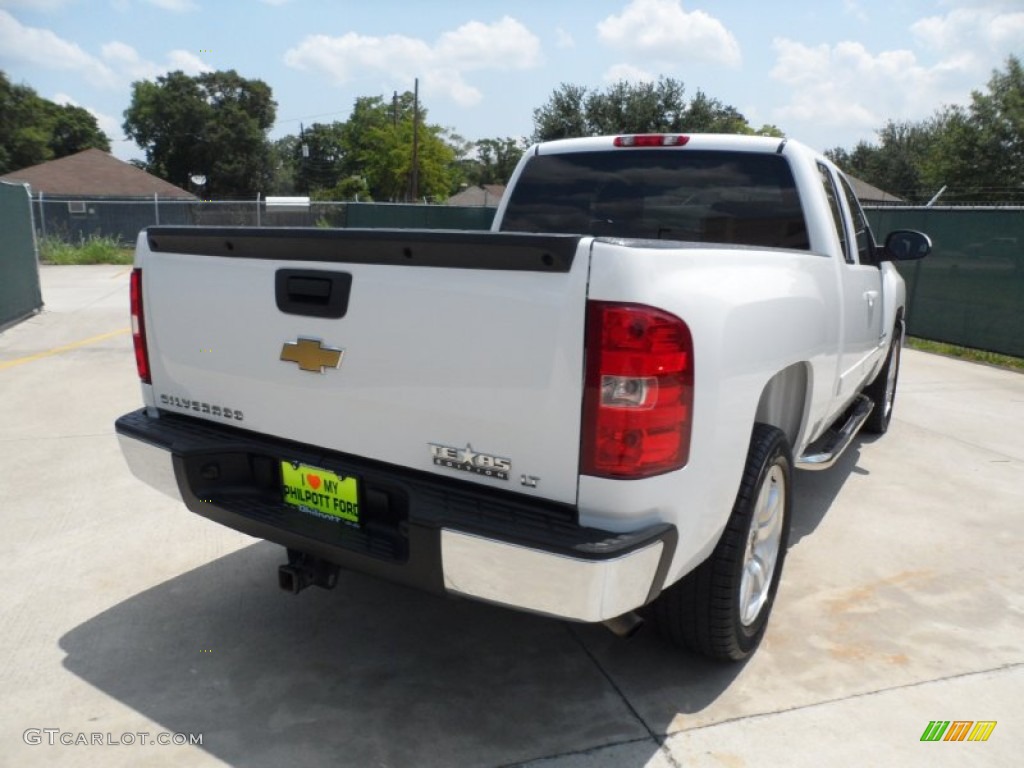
(73, 220)
(969, 291)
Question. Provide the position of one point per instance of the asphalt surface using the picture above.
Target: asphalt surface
(123, 614)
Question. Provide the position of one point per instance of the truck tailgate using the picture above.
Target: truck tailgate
(461, 353)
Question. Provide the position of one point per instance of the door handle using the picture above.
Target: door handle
(870, 296)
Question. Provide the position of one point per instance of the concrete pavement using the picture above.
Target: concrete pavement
(902, 602)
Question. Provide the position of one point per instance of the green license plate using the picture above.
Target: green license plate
(320, 492)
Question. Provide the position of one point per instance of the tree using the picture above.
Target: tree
(352, 188)
(213, 124)
(34, 130)
(319, 155)
(563, 116)
(377, 144)
(495, 160)
(646, 107)
(896, 164)
(978, 152)
(284, 166)
(999, 118)
(369, 156)
(637, 107)
(705, 114)
(74, 129)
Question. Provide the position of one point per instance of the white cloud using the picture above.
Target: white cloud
(975, 29)
(175, 6)
(118, 62)
(846, 86)
(851, 90)
(187, 62)
(44, 49)
(503, 45)
(662, 30)
(564, 39)
(629, 73)
(35, 5)
(343, 58)
(855, 9)
(127, 61)
(178, 6)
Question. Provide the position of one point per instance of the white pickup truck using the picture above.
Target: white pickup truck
(593, 408)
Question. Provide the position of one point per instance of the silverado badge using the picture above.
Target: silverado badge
(311, 355)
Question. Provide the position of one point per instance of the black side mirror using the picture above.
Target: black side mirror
(906, 245)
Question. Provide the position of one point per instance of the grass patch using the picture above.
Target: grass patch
(91, 250)
(966, 353)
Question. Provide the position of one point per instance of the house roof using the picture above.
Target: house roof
(867, 193)
(94, 172)
(488, 195)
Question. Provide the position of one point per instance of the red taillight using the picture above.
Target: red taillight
(638, 392)
(651, 140)
(139, 327)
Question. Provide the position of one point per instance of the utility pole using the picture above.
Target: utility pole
(415, 181)
(305, 156)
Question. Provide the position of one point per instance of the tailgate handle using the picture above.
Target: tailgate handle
(312, 292)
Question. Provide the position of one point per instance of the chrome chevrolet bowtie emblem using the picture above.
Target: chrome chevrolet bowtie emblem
(311, 355)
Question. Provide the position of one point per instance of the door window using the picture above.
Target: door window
(862, 231)
(832, 194)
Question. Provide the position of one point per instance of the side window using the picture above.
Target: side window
(865, 242)
(837, 216)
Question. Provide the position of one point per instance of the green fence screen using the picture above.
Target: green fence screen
(970, 289)
(19, 269)
(394, 215)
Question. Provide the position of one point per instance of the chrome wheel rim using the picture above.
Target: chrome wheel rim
(762, 548)
(890, 379)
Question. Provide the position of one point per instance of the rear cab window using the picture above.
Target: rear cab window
(735, 198)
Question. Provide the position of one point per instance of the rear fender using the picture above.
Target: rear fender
(784, 402)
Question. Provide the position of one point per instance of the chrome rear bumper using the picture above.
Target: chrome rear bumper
(450, 538)
(544, 582)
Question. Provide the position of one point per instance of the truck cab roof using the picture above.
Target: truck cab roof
(719, 141)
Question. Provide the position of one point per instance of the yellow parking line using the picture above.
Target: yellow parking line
(64, 348)
(119, 274)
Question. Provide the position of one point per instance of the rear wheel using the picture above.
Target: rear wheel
(882, 390)
(721, 608)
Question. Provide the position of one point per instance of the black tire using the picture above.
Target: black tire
(878, 390)
(702, 612)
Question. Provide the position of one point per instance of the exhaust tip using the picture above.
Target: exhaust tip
(626, 625)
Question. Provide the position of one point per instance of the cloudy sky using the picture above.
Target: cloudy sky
(828, 72)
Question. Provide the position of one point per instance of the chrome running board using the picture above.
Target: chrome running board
(829, 447)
